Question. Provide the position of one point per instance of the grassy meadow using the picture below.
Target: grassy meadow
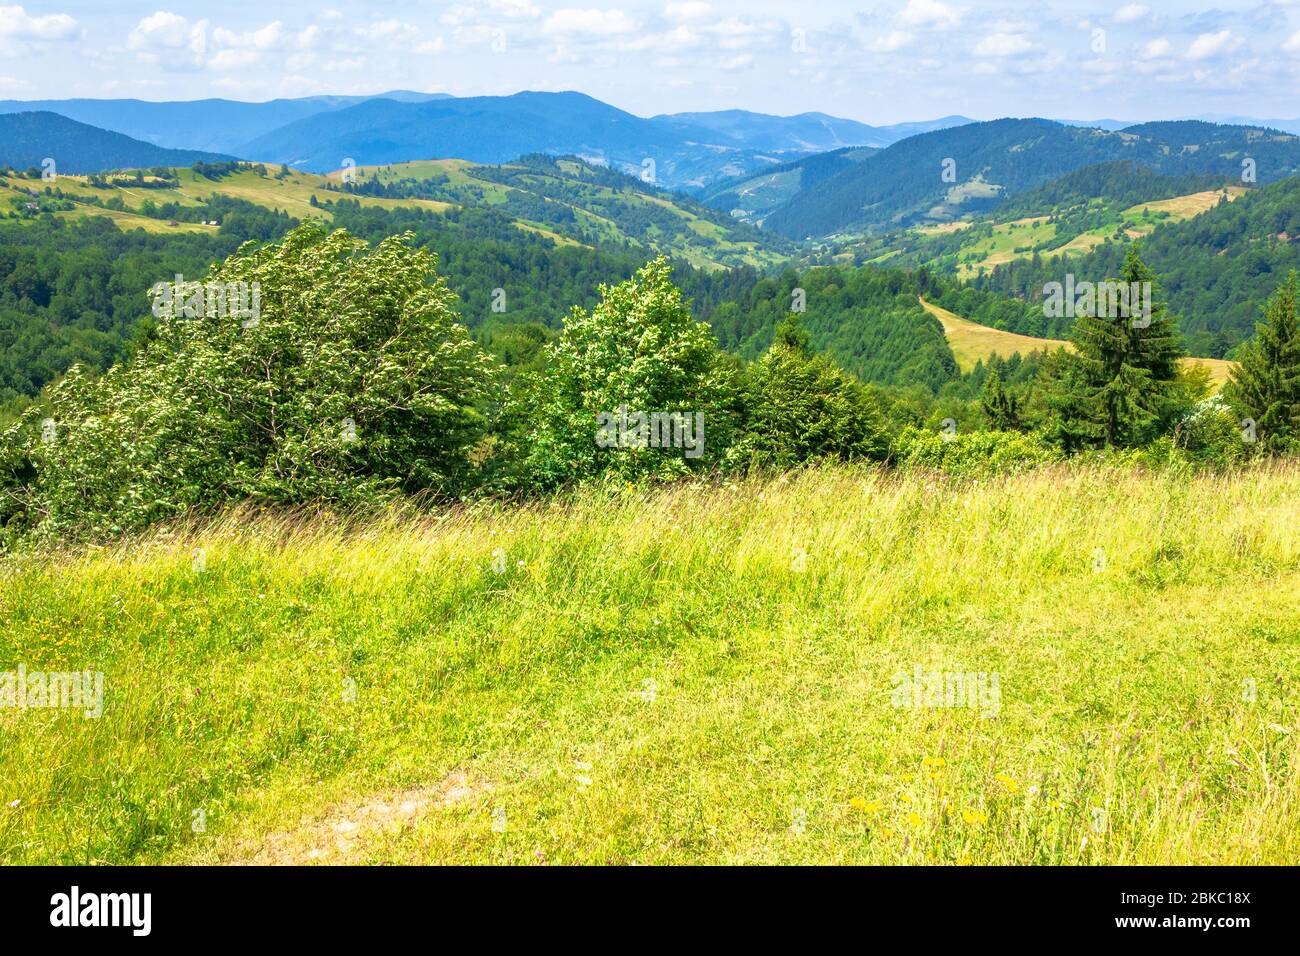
(701, 673)
(971, 342)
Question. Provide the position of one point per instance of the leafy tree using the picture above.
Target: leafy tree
(800, 406)
(353, 382)
(1265, 385)
(638, 352)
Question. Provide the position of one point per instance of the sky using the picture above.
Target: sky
(877, 62)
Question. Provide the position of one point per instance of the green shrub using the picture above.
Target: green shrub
(799, 406)
(971, 453)
(638, 352)
(354, 382)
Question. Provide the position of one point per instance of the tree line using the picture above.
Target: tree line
(359, 382)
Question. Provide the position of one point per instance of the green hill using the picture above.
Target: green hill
(27, 140)
(951, 173)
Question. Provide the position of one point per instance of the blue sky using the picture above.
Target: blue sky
(876, 62)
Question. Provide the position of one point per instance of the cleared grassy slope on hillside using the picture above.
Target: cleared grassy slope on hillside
(971, 342)
(700, 674)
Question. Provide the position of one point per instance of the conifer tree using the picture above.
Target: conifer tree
(1128, 364)
(1001, 408)
(1265, 385)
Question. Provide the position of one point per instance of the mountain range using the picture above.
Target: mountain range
(315, 134)
(946, 174)
(28, 139)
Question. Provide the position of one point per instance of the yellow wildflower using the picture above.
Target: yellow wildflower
(865, 805)
(974, 818)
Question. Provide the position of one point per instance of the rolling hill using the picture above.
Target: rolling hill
(564, 200)
(905, 184)
(27, 139)
(751, 198)
(1217, 268)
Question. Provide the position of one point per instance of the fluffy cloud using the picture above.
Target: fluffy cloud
(264, 39)
(687, 11)
(392, 32)
(1156, 49)
(17, 24)
(168, 31)
(1131, 12)
(1209, 45)
(929, 13)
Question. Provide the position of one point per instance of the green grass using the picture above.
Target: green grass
(481, 693)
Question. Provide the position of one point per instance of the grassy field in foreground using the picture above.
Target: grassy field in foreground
(692, 674)
(971, 342)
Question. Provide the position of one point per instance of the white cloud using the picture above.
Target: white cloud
(891, 41)
(1209, 45)
(9, 84)
(1155, 49)
(16, 23)
(1293, 44)
(436, 45)
(1003, 44)
(264, 39)
(514, 9)
(390, 31)
(920, 13)
(1131, 12)
(573, 21)
(168, 31)
(689, 10)
(738, 62)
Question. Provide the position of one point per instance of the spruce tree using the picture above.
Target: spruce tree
(1001, 408)
(1265, 385)
(1129, 362)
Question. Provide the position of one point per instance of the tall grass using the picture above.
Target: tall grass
(692, 674)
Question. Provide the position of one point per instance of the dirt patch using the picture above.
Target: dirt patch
(342, 834)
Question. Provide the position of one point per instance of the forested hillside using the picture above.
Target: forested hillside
(969, 169)
(1218, 268)
(30, 140)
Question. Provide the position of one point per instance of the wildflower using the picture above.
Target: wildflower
(914, 818)
(964, 860)
(934, 762)
(1011, 783)
(974, 817)
(865, 805)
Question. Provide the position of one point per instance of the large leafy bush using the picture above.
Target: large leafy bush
(355, 382)
(639, 351)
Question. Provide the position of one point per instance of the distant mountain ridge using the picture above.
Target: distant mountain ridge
(683, 151)
(28, 139)
(941, 175)
(805, 132)
(215, 125)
